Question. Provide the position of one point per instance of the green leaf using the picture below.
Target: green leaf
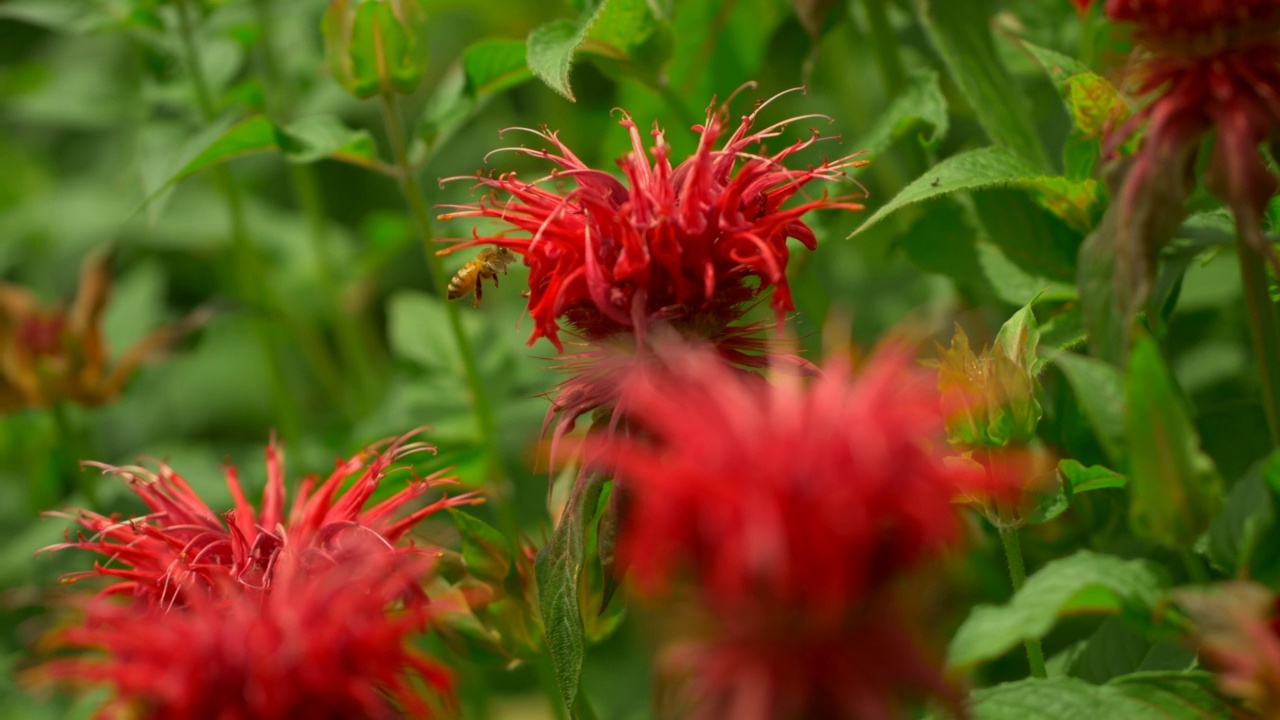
(1099, 389)
(628, 31)
(559, 569)
(1176, 695)
(485, 551)
(254, 135)
(988, 167)
(920, 103)
(1087, 479)
(492, 66)
(632, 31)
(324, 136)
(1175, 488)
(1248, 515)
(1141, 696)
(996, 167)
(550, 53)
(1092, 101)
(1015, 284)
(1084, 583)
(960, 31)
(1019, 340)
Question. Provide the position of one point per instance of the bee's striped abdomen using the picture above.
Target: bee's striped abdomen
(462, 282)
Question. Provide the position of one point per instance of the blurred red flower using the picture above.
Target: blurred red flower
(796, 510)
(690, 245)
(183, 544)
(327, 643)
(1205, 64)
(1237, 634)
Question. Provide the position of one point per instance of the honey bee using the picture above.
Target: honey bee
(485, 267)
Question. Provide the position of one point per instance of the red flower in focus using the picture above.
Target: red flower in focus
(182, 543)
(795, 510)
(320, 644)
(691, 245)
(1206, 64)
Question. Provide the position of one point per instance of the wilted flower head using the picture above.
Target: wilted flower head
(795, 510)
(1238, 637)
(1204, 65)
(55, 354)
(690, 245)
(182, 545)
(333, 642)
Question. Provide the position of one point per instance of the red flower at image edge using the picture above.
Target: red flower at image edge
(1205, 64)
(324, 643)
(690, 245)
(796, 509)
(183, 544)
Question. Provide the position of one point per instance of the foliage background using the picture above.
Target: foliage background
(97, 111)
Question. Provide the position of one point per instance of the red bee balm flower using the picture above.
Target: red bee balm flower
(183, 544)
(689, 245)
(321, 644)
(795, 510)
(1205, 64)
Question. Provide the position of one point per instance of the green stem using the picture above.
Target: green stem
(502, 491)
(69, 452)
(307, 193)
(1266, 339)
(1018, 575)
(884, 43)
(252, 283)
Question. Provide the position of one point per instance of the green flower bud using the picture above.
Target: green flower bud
(376, 47)
(991, 397)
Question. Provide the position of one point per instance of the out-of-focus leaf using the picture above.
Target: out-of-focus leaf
(920, 103)
(559, 570)
(1086, 479)
(962, 36)
(1015, 284)
(1248, 517)
(1100, 390)
(1084, 583)
(485, 551)
(324, 136)
(1175, 488)
(1116, 649)
(69, 16)
(1141, 696)
(492, 66)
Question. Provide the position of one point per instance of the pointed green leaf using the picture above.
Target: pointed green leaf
(1084, 583)
(550, 53)
(1141, 696)
(961, 33)
(492, 66)
(921, 103)
(1092, 101)
(974, 170)
(1175, 488)
(1248, 516)
(1099, 389)
(1086, 479)
(559, 570)
(318, 137)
